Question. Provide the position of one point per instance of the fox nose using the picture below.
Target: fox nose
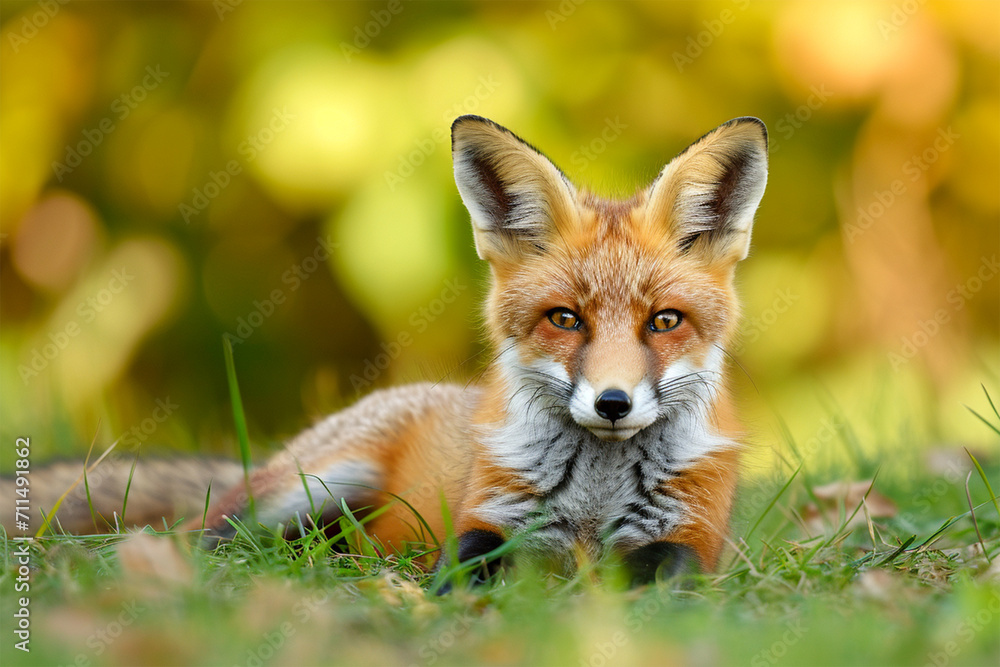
(613, 404)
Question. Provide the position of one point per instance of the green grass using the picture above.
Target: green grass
(796, 587)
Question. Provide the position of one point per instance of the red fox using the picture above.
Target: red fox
(602, 425)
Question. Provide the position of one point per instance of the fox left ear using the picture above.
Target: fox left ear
(517, 198)
(707, 195)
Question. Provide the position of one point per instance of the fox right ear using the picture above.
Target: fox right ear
(517, 198)
(706, 197)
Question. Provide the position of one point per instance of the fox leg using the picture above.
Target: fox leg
(474, 542)
(498, 502)
(667, 558)
(706, 488)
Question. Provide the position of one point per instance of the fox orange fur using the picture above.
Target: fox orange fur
(603, 424)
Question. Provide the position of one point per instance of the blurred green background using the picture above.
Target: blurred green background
(172, 172)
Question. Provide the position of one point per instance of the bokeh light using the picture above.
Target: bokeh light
(282, 173)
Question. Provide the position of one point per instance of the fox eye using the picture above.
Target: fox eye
(564, 318)
(665, 320)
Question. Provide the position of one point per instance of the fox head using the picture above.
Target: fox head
(615, 314)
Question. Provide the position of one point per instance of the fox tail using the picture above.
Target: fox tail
(161, 491)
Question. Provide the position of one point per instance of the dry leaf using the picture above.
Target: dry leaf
(148, 557)
(396, 590)
(992, 574)
(847, 495)
(877, 584)
(952, 463)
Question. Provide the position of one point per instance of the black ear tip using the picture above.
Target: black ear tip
(751, 120)
(470, 119)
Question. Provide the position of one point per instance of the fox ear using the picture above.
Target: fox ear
(707, 195)
(517, 198)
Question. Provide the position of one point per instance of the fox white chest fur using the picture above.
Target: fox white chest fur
(579, 493)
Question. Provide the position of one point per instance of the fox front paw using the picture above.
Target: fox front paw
(473, 547)
(666, 559)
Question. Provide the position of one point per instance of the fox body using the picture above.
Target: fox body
(602, 424)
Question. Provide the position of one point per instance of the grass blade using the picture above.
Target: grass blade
(47, 520)
(305, 487)
(990, 399)
(895, 554)
(90, 502)
(450, 538)
(208, 498)
(449, 575)
(770, 505)
(247, 535)
(786, 434)
(840, 533)
(423, 522)
(847, 434)
(360, 531)
(239, 417)
(984, 420)
(975, 522)
(940, 531)
(128, 484)
(982, 475)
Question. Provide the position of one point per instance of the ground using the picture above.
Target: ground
(887, 565)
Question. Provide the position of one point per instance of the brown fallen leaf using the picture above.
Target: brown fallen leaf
(847, 495)
(147, 557)
(991, 575)
(398, 591)
(877, 584)
(951, 462)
